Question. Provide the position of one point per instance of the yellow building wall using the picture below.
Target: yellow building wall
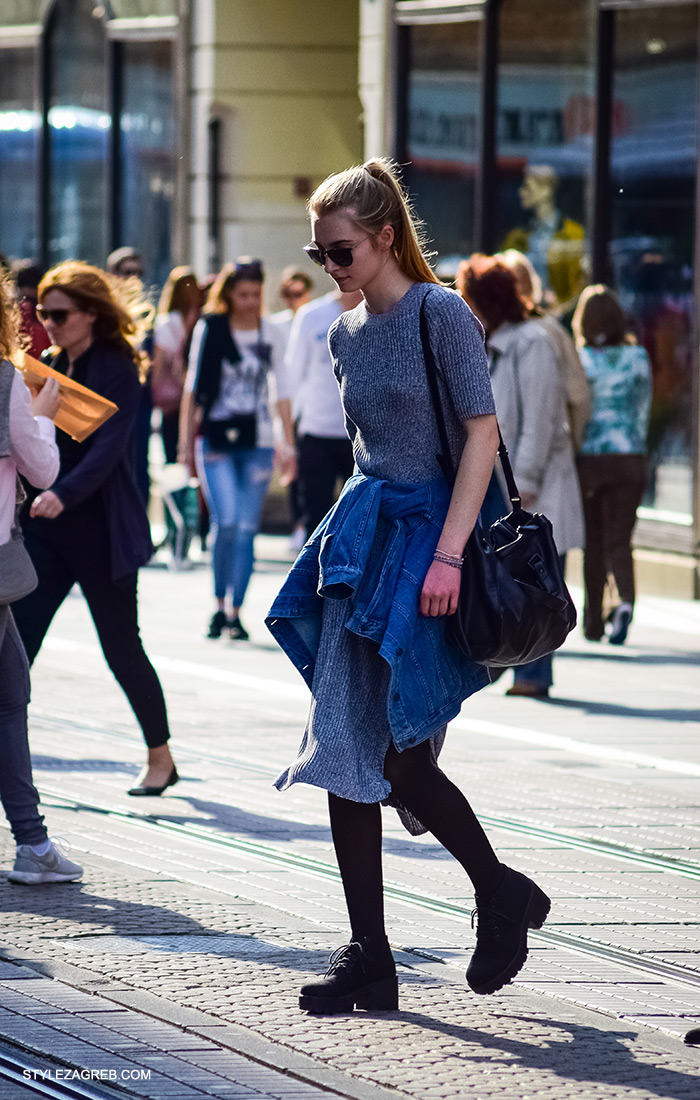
(282, 75)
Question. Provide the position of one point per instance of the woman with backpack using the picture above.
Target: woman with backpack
(235, 382)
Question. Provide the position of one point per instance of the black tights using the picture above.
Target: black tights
(427, 792)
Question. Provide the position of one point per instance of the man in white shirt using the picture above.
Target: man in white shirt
(324, 450)
(295, 291)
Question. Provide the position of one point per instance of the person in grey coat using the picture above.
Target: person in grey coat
(531, 407)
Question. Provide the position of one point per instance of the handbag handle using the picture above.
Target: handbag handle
(444, 458)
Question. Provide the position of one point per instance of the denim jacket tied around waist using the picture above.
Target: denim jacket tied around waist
(429, 678)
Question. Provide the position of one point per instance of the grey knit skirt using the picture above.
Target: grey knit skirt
(347, 733)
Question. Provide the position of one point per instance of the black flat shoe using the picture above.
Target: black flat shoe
(139, 792)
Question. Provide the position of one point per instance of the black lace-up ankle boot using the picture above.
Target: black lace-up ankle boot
(503, 919)
(361, 975)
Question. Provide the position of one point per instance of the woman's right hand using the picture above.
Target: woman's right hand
(47, 401)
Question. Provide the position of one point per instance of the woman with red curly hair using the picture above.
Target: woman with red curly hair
(90, 528)
(531, 408)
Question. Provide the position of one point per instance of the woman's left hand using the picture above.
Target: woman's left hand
(440, 590)
(47, 506)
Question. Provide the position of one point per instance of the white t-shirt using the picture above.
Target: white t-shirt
(316, 397)
(169, 332)
(246, 387)
(282, 321)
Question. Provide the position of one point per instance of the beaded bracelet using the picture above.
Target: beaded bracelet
(448, 559)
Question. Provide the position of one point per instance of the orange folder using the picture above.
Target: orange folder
(81, 411)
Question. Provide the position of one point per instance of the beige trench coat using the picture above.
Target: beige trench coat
(531, 409)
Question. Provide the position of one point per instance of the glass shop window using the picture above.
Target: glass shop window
(545, 134)
(654, 165)
(80, 126)
(442, 134)
(20, 123)
(147, 133)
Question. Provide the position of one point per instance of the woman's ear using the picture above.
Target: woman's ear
(385, 238)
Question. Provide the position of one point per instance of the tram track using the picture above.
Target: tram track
(622, 956)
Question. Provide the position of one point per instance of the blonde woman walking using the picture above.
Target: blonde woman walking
(362, 613)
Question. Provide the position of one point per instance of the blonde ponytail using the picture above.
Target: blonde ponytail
(374, 195)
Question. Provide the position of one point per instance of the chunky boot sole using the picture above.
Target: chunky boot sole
(381, 996)
(536, 914)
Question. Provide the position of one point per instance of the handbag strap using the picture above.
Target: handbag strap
(444, 458)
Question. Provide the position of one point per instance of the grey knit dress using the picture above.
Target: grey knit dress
(378, 361)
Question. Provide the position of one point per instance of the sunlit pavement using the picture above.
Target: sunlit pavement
(201, 912)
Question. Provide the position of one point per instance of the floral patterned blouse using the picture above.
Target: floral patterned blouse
(620, 382)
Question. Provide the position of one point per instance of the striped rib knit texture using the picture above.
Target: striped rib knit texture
(378, 361)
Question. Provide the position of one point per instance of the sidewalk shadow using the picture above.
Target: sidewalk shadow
(230, 818)
(139, 922)
(259, 827)
(669, 657)
(225, 816)
(618, 710)
(579, 1053)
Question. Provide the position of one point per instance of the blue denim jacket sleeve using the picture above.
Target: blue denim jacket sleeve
(429, 678)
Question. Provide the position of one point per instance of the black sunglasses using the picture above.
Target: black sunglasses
(341, 257)
(55, 316)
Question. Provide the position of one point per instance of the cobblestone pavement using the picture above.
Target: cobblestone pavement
(201, 912)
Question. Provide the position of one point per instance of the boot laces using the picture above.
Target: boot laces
(345, 958)
(490, 924)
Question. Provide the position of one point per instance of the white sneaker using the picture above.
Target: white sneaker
(619, 624)
(31, 869)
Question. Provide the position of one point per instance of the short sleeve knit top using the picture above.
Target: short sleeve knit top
(378, 361)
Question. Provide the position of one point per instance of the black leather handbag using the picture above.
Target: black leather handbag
(514, 605)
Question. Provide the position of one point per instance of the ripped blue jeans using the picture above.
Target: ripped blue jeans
(234, 484)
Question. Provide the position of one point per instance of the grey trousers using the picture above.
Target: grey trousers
(19, 796)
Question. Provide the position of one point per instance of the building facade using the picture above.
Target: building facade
(567, 129)
(191, 129)
(196, 129)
